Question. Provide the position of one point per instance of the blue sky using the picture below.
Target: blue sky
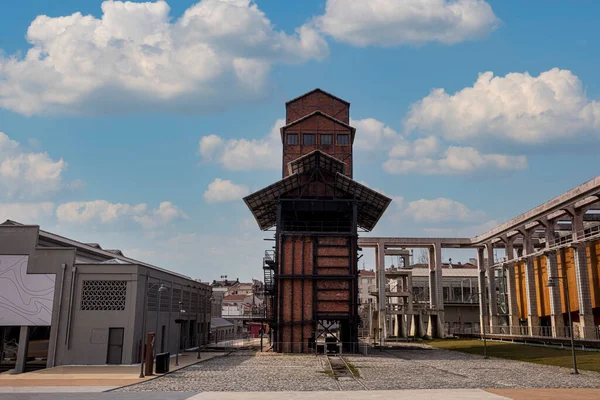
(140, 127)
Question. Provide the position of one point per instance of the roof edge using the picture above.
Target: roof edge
(317, 90)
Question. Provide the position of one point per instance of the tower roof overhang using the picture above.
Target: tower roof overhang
(370, 204)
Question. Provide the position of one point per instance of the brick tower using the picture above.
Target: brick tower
(317, 210)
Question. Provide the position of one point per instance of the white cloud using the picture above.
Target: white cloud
(221, 191)
(463, 231)
(244, 154)
(135, 57)
(102, 210)
(180, 252)
(455, 161)
(398, 22)
(165, 213)
(24, 174)
(209, 146)
(518, 107)
(26, 213)
(441, 210)
(105, 212)
(372, 134)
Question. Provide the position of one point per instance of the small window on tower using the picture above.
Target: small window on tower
(309, 139)
(292, 138)
(343, 139)
(326, 140)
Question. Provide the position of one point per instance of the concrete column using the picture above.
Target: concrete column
(381, 281)
(22, 350)
(438, 276)
(433, 297)
(436, 293)
(483, 320)
(416, 326)
(533, 319)
(513, 309)
(492, 298)
(491, 292)
(586, 318)
(556, 314)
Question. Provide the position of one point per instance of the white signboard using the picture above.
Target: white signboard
(25, 299)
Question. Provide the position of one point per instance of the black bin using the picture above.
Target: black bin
(162, 362)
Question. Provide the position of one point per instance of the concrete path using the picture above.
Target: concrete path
(422, 394)
(83, 378)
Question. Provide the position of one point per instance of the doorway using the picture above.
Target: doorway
(115, 346)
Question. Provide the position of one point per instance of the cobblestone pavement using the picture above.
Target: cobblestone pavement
(405, 367)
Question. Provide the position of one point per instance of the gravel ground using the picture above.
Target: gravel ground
(404, 367)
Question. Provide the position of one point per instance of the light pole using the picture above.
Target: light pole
(161, 289)
(181, 311)
(483, 322)
(552, 283)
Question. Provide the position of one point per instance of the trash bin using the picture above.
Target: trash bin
(162, 362)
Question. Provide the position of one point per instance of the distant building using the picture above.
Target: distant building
(366, 279)
(459, 287)
(220, 330)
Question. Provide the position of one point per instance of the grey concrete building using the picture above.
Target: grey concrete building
(63, 302)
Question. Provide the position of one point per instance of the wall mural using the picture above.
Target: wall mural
(25, 299)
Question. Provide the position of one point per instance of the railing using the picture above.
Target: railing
(580, 236)
(591, 333)
(322, 347)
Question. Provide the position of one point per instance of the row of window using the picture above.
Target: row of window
(311, 139)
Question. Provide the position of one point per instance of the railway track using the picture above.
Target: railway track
(342, 372)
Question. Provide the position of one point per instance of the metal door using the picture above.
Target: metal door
(115, 345)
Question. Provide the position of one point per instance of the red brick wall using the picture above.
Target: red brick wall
(317, 124)
(317, 101)
(296, 294)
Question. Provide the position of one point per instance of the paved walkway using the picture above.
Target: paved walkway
(87, 378)
(425, 394)
(236, 343)
(408, 367)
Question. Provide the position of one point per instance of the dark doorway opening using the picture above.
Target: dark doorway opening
(115, 346)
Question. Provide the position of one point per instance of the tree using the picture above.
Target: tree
(423, 257)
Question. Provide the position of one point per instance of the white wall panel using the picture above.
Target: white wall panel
(25, 299)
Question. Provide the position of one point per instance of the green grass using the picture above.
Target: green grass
(586, 360)
(353, 369)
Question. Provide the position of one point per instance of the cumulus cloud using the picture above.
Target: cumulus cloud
(134, 57)
(372, 134)
(105, 212)
(222, 191)
(517, 107)
(26, 213)
(165, 213)
(244, 154)
(441, 210)
(463, 231)
(27, 174)
(455, 160)
(399, 22)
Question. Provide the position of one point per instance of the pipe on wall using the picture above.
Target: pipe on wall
(60, 296)
(70, 313)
